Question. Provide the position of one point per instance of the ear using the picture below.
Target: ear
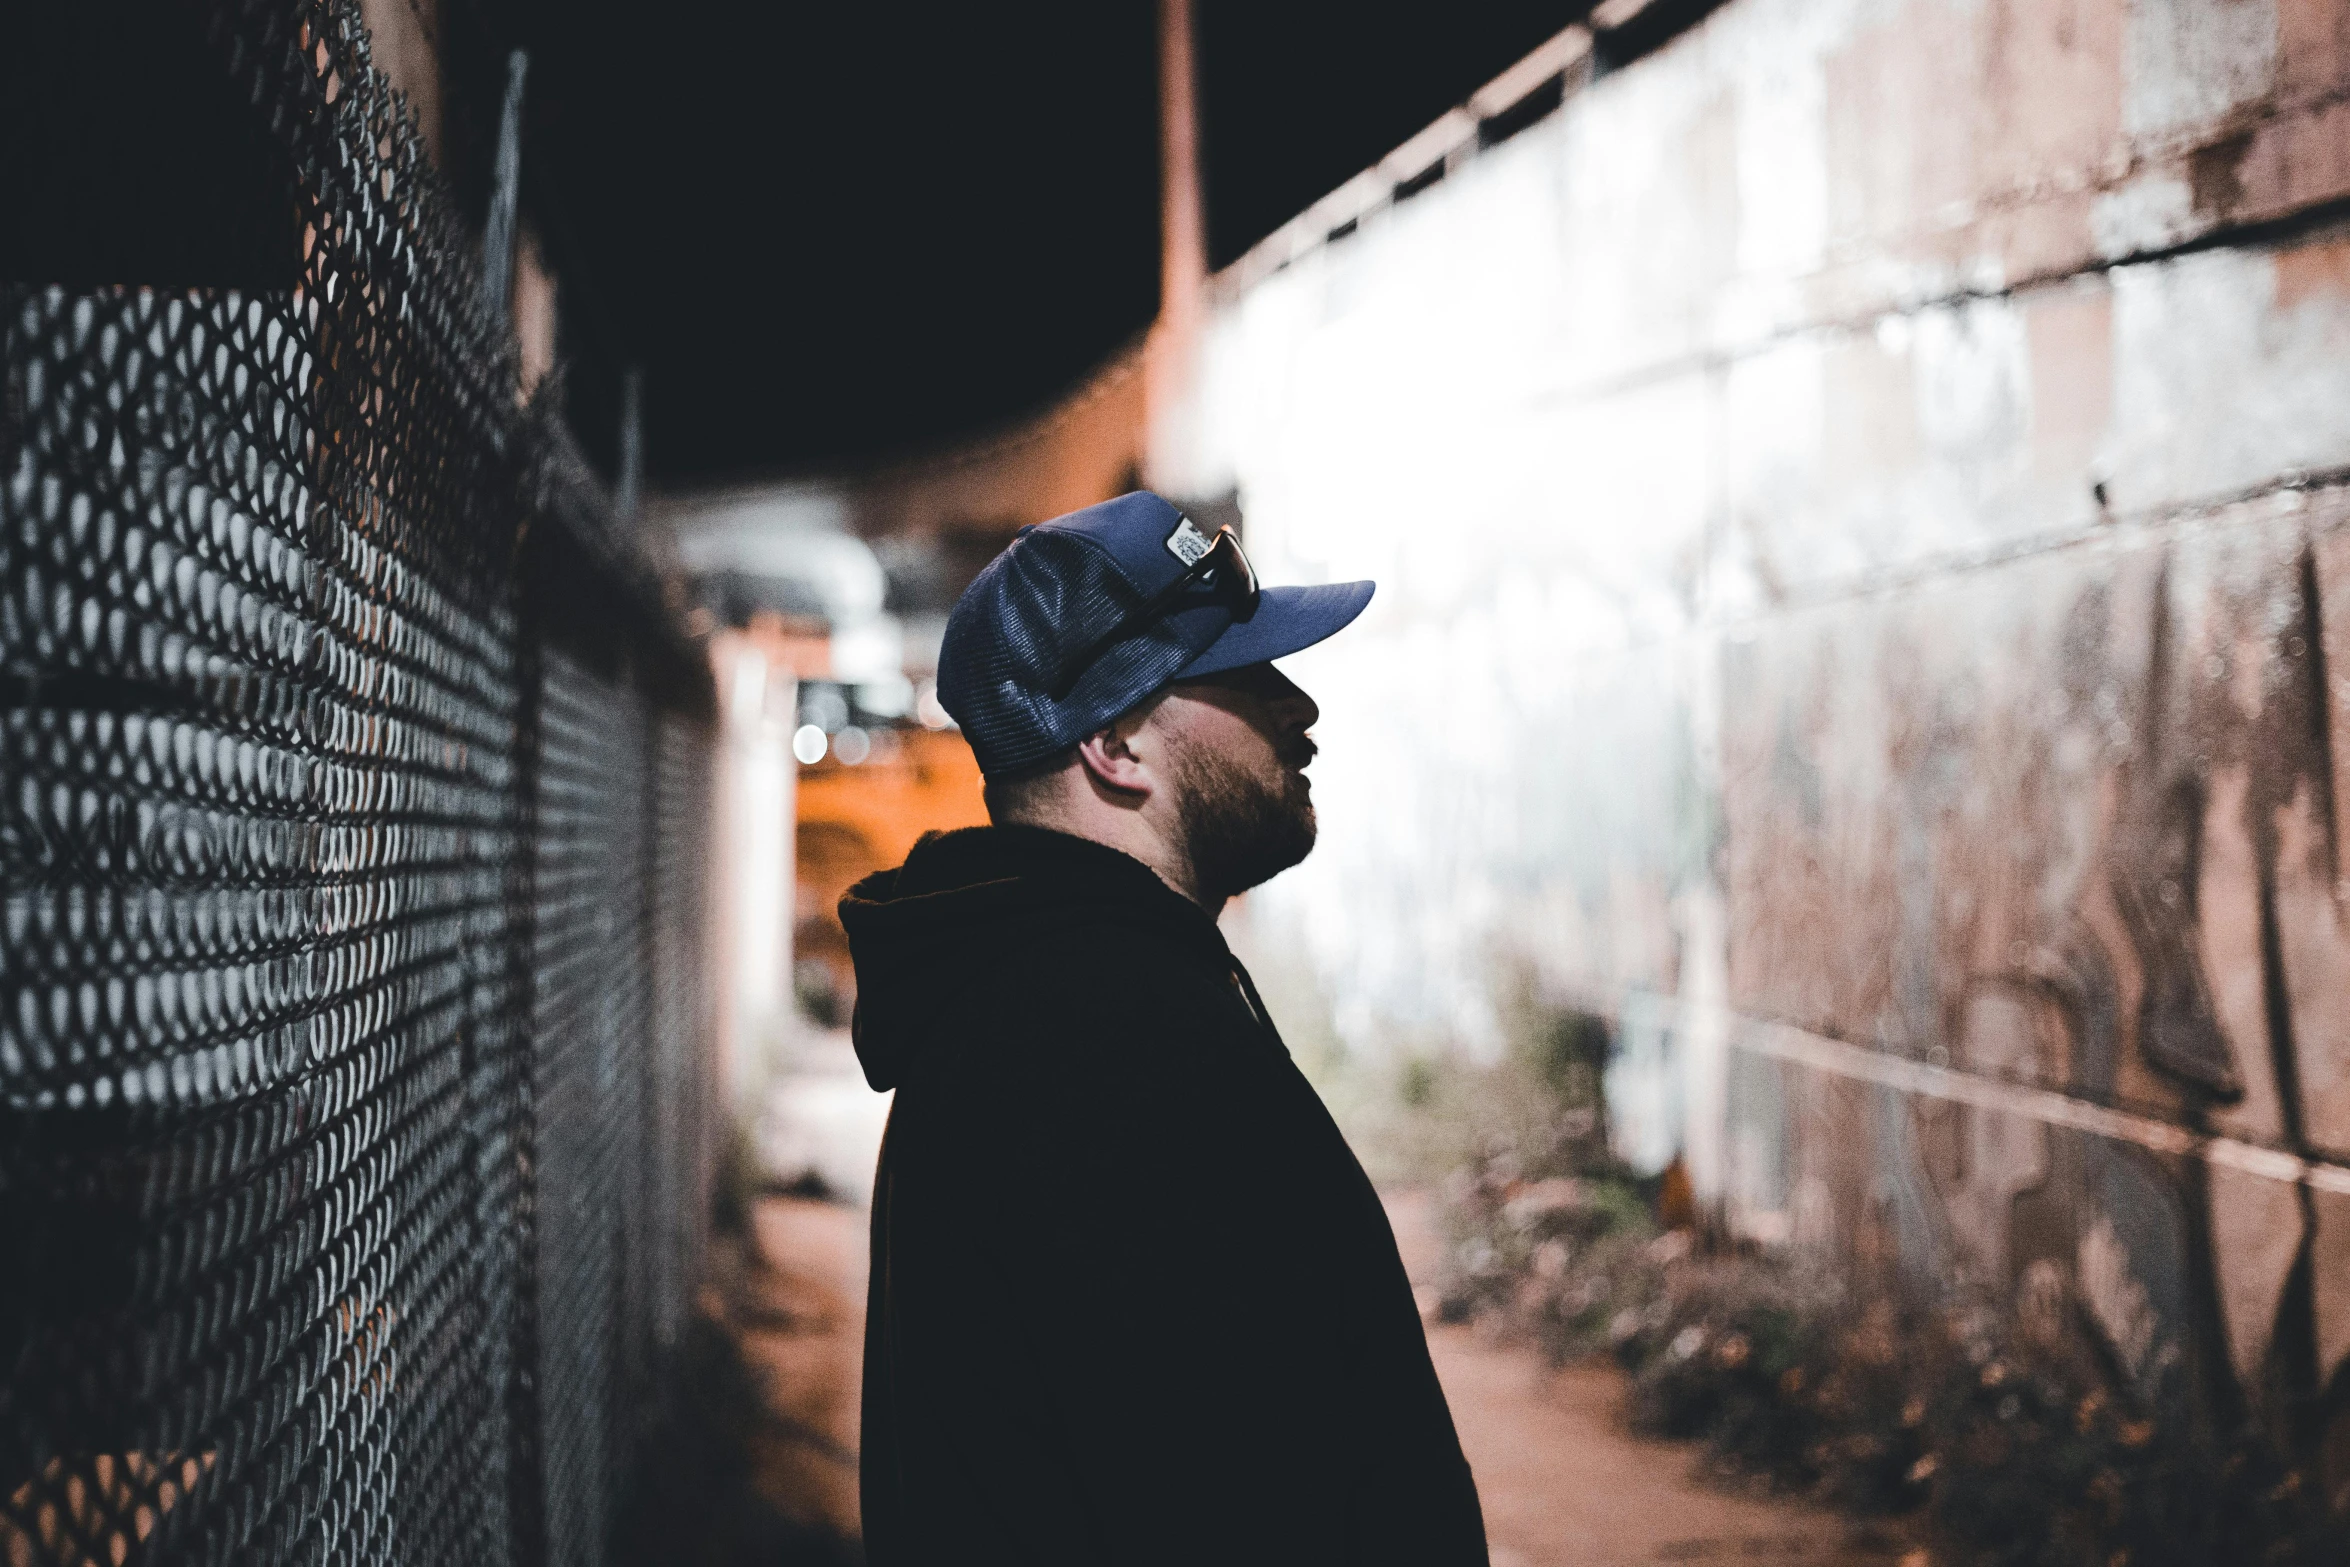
(1109, 760)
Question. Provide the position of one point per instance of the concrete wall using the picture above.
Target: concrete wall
(1857, 499)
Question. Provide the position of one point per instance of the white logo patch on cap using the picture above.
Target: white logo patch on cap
(1187, 544)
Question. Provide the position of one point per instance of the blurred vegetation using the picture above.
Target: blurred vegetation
(2011, 1448)
(1422, 1111)
(2000, 1445)
(2004, 1446)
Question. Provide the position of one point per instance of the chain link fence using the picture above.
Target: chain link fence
(354, 1118)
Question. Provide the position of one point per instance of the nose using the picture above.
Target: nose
(1290, 705)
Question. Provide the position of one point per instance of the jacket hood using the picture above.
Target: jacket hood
(925, 936)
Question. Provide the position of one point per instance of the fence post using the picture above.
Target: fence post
(497, 241)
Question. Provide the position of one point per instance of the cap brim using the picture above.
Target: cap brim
(1287, 619)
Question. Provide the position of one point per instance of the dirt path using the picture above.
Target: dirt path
(1564, 1485)
(804, 1333)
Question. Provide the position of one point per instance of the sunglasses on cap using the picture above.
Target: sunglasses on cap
(1222, 568)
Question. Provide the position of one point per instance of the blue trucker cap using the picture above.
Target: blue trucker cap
(1063, 585)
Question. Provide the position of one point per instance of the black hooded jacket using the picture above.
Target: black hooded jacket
(1133, 1300)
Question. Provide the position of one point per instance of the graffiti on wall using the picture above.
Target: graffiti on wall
(2090, 847)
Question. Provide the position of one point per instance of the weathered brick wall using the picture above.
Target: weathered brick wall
(1858, 498)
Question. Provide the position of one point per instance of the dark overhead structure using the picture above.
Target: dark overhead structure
(839, 235)
(826, 237)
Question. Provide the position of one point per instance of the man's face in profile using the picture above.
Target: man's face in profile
(1238, 747)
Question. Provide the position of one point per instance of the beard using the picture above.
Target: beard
(1242, 829)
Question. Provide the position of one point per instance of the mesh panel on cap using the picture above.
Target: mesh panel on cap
(1044, 599)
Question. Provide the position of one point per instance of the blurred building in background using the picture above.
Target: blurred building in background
(837, 758)
(1857, 498)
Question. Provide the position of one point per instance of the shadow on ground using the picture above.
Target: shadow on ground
(733, 1474)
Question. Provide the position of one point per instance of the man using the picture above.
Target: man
(1133, 1300)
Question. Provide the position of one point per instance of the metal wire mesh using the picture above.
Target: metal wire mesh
(352, 1042)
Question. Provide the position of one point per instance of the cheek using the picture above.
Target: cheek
(1250, 750)
(1205, 727)
(1228, 744)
